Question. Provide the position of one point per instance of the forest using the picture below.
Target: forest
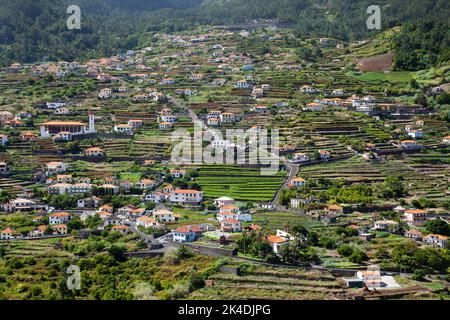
(35, 30)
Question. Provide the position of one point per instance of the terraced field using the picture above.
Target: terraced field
(279, 220)
(270, 283)
(353, 170)
(35, 248)
(238, 183)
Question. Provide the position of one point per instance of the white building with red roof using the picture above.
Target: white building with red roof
(186, 196)
(230, 225)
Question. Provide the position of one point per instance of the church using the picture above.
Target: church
(52, 128)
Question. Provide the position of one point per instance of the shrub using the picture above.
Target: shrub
(345, 250)
(144, 291)
(180, 290)
(14, 263)
(358, 256)
(171, 256)
(418, 275)
(196, 282)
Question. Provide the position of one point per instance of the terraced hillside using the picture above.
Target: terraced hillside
(238, 183)
(269, 283)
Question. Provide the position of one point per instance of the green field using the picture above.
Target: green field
(238, 183)
(377, 77)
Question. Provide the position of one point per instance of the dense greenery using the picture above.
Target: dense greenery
(422, 45)
(36, 30)
(106, 276)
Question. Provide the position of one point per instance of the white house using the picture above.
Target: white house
(410, 144)
(123, 129)
(415, 217)
(55, 105)
(300, 157)
(186, 196)
(105, 93)
(8, 234)
(384, 224)
(168, 118)
(231, 225)
(165, 125)
(324, 154)
(148, 222)
(177, 173)
(145, 184)
(415, 134)
(298, 182)
(155, 197)
(223, 201)
(276, 242)
(436, 240)
(243, 84)
(165, 215)
(59, 218)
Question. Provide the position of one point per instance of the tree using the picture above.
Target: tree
(358, 256)
(438, 226)
(117, 252)
(345, 250)
(74, 224)
(419, 275)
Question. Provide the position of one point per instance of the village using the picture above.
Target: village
(363, 160)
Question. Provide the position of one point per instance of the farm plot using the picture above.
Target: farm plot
(270, 283)
(238, 183)
(279, 220)
(35, 248)
(352, 170)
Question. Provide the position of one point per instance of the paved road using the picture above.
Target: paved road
(293, 170)
(143, 235)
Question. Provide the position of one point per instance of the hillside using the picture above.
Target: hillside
(33, 30)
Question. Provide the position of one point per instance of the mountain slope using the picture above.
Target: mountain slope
(32, 30)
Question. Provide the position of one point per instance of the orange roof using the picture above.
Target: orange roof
(186, 191)
(414, 231)
(334, 207)
(231, 220)
(63, 123)
(59, 226)
(440, 237)
(276, 239)
(415, 211)
(60, 214)
(145, 218)
(409, 141)
(9, 230)
(120, 227)
(185, 229)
